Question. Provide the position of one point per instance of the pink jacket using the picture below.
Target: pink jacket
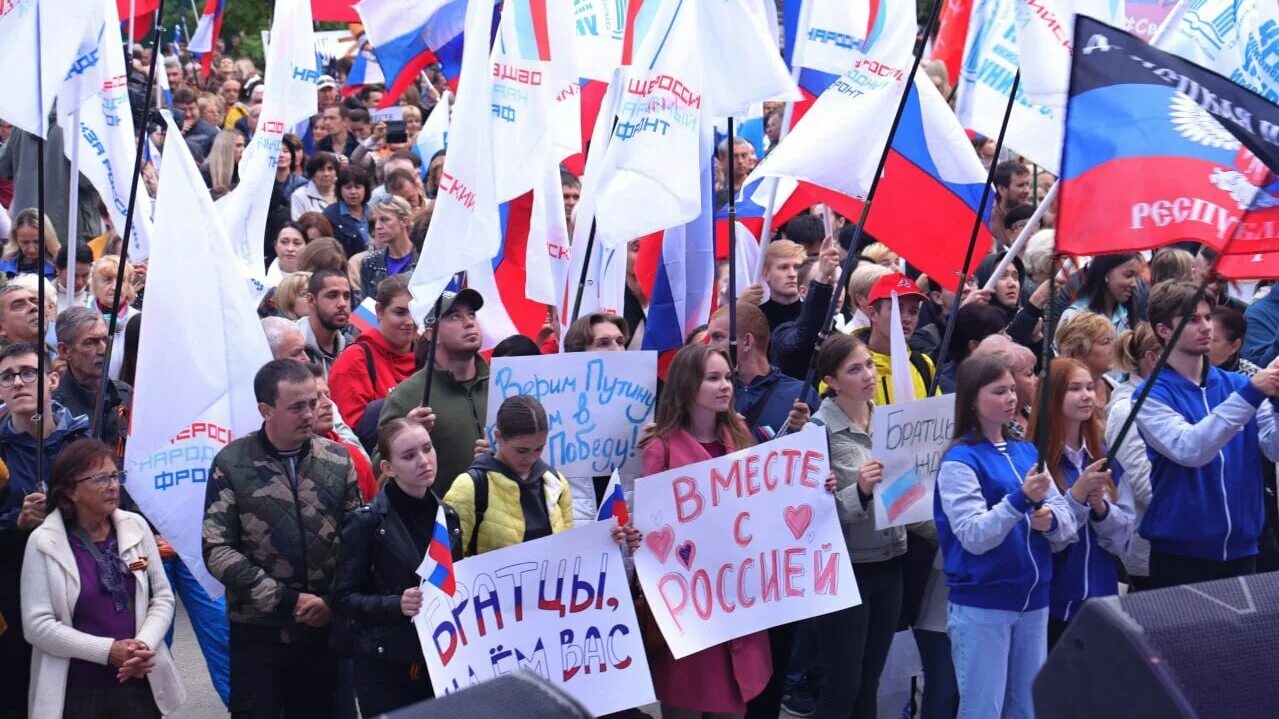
(723, 678)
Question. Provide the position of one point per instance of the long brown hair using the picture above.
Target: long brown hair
(683, 381)
(834, 353)
(1059, 376)
(974, 373)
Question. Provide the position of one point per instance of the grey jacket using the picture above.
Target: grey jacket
(849, 450)
(18, 163)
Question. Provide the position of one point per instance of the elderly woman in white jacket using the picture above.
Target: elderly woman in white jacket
(95, 600)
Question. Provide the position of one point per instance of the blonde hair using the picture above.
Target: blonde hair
(288, 291)
(879, 253)
(864, 278)
(128, 291)
(30, 217)
(411, 111)
(1075, 337)
(1171, 263)
(1038, 255)
(394, 205)
(779, 250)
(1015, 355)
(207, 101)
(221, 162)
(1133, 344)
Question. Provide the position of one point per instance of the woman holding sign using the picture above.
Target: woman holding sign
(510, 495)
(696, 421)
(376, 590)
(1103, 505)
(998, 519)
(853, 643)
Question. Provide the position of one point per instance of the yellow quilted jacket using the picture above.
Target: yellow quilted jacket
(503, 523)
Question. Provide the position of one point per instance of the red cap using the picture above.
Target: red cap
(896, 282)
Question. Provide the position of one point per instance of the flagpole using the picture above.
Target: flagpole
(128, 228)
(1046, 356)
(73, 200)
(42, 356)
(851, 258)
(586, 265)
(430, 351)
(133, 15)
(732, 245)
(978, 220)
(1023, 237)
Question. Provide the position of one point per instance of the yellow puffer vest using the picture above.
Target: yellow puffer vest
(503, 523)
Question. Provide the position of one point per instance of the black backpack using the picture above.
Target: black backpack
(366, 428)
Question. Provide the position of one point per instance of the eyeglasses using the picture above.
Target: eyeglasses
(26, 374)
(102, 481)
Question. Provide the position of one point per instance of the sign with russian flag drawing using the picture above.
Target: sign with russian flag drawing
(559, 607)
(909, 438)
(741, 543)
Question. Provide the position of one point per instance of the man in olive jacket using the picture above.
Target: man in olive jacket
(274, 509)
(459, 389)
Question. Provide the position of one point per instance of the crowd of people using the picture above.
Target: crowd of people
(317, 522)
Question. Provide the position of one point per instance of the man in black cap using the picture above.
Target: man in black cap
(459, 387)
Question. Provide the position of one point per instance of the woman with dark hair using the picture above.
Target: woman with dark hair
(1112, 288)
(516, 346)
(975, 322)
(95, 599)
(1228, 328)
(696, 421)
(996, 515)
(320, 192)
(377, 361)
(1023, 310)
(376, 589)
(1101, 501)
(350, 214)
(290, 240)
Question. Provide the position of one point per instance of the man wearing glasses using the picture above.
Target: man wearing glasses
(22, 505)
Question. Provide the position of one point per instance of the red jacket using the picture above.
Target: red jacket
(363, 469)
(349, 379)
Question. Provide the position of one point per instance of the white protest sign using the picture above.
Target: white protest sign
(741, 543)
(559, 607)
(597, 404)
(909, 438)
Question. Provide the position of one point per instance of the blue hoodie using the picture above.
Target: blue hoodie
(992, 557)
(1205, 443)
(1261, 341)
(1088, 568)
(778, 393)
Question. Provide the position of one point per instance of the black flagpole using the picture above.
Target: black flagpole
(851, 259)
(431, 346)
(42, 356)
(732, 246)
(972, 239)
(99, 401)
(1050, 329)
(586, 264)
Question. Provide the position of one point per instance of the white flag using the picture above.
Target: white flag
(434, 135)
(698, 61)
(1045, 38)
(63, 34)
(107, 143)
(903, 381)
(175, 434)
(465, 229)
(292, 75)
(1235, 38)
(991, 59)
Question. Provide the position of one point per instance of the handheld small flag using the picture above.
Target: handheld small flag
(614, 504)
(437, 565)
(365, 315)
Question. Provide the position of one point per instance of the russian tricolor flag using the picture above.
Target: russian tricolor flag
(365, 315)
(408, 35)
(823, 38)
(437, 566)
(614, 504)
(364, 70)
(205, 38)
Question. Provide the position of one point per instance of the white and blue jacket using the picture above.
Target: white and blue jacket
(991, 556)
(1205, 443)
(1088, 567)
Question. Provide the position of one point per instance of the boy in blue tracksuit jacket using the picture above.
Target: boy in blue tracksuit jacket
(1088, 567)
(1205, 431)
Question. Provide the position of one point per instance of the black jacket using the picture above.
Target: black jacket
(378, 562)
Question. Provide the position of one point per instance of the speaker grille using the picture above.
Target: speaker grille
(1218, 640)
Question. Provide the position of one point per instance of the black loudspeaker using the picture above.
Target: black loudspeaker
(1200, 650)
(523, 695)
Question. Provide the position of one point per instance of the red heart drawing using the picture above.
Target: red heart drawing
(798, 519)
(660, 542)
(685, 553)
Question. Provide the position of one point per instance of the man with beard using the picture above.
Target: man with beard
(1012, 188)
(326, 329)
(274, 508)
(82, 342)
(459, 387)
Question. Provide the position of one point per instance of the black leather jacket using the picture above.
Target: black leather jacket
(378, 562)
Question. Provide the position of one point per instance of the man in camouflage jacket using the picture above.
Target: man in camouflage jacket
(274, 509)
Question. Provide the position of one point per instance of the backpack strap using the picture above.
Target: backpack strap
(481, 480)
(925, 370)
(368, 363)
